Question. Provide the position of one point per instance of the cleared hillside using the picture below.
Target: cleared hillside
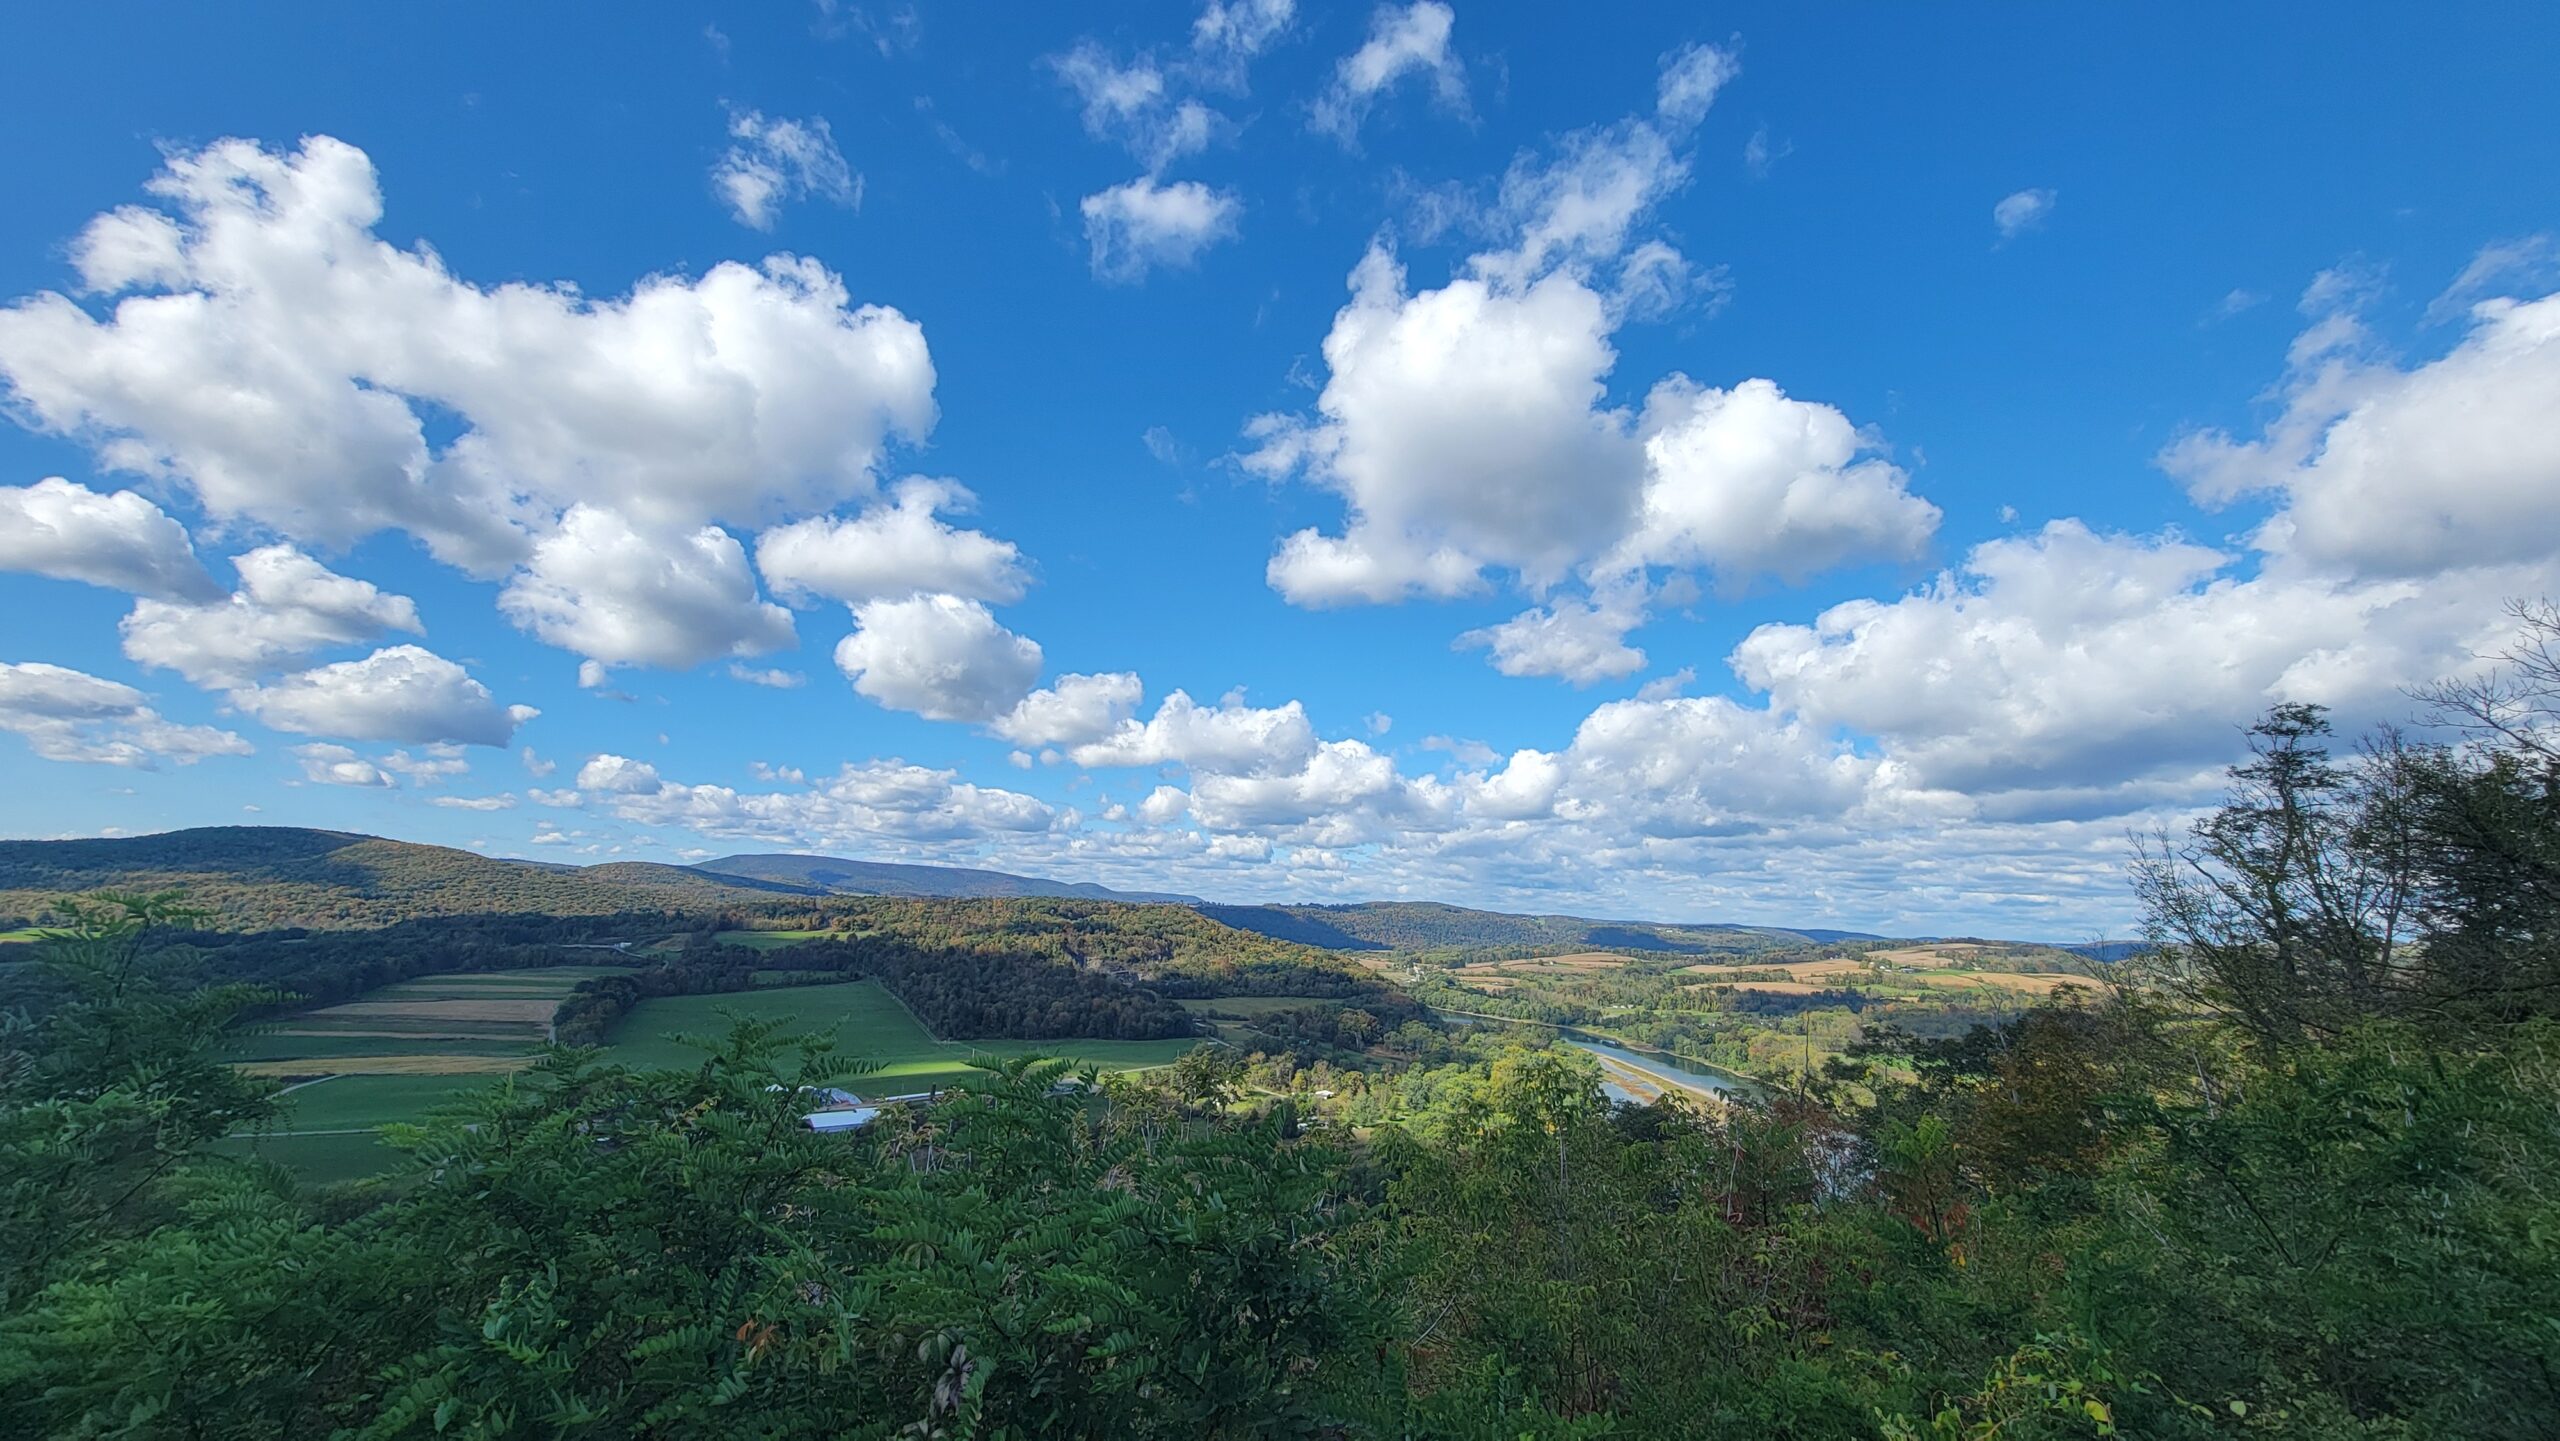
(880, 878)
(268, 877)
(1425, 925)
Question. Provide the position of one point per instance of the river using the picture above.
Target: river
(1632, 1075)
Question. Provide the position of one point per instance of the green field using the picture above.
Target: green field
(362, 1102)
(771, 940)
(317, 1160)
(1248, 1007)
(281, 1044)
(866, 1022)
(406, 1025)
(327, 1129)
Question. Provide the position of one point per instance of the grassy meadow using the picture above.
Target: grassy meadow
(462, 1024)
(771, 940)
(390, 1055)
(866, 1022)
(397, 1052)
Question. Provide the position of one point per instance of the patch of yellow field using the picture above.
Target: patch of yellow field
(1928, 955)
(1646, 1087)
(531, 1012)
(1836, 969)
(1579, 963)
(2033, 985)
(390, 1066)
(1831, 966)
(482, 1034)
(1582, 961)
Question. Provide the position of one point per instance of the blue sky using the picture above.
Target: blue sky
(2060, 389)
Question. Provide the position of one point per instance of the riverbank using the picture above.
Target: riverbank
(1635, 1073)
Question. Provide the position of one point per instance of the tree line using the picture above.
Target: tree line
(2291, 1177)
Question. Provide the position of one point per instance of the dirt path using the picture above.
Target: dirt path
(1646, 1087)
(349, 1131)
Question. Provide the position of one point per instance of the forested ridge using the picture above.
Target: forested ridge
(2293, 1173)
(836, 874)
(1173, 947)
(988, 970)
(257, 878)
(1426, 925)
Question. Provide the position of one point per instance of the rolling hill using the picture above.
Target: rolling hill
(265, 877)
(261, 877)
(1423, 925)
(268, 877)
(837, 876)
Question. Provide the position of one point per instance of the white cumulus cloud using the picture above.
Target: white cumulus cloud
(619, 594)
(402, 693)
(1749, 482)
(1072, 710)
(2386, 471)
(1581, 641)
(288, 606)
(337, 765)
(942, 657)
(899, 549)
(70, 715)
(120, 541)
(253, 342)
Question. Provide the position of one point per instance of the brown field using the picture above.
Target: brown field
(391, 1066)
(534, 1011)
(1647, 1087)
(1579, 963)
(1833, 966)
(2033, 985)
(1928, 955)
(481, 1033)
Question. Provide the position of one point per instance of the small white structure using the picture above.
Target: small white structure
(850, 1119)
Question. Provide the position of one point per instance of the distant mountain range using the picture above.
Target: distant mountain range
(262, 877)
(1422, 925)
(834, 875)
(269, 877)
(265, 877)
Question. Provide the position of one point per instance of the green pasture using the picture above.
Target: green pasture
(1250, 1007)
(317, 1160)
(772, 940)
(866, 1023)
(327, 1129)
